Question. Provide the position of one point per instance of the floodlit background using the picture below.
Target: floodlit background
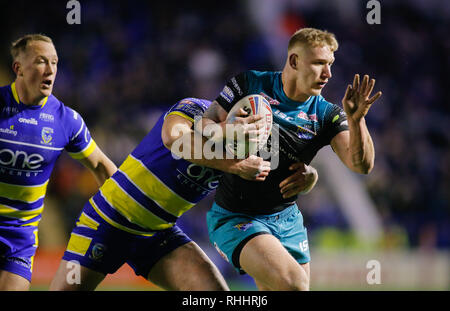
(128, 61)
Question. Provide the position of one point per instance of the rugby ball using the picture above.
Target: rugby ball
(238, 144)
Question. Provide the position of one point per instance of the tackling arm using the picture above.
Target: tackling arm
(215, 118)
(178, 129)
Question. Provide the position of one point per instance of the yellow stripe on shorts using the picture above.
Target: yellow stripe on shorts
(78, 244)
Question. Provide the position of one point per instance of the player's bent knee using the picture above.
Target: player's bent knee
(293, 282)
(293, 279)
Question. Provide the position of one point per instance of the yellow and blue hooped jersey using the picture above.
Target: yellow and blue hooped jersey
(151, 188)
(31, 139)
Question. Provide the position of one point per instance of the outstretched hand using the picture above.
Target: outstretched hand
(357, 100)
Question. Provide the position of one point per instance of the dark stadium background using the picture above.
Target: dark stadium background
(128, 61)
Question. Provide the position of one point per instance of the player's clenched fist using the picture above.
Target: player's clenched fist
(253, 168)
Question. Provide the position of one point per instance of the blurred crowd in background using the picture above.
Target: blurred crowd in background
(127, 62)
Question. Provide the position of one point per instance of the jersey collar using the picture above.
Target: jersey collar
(16, 96)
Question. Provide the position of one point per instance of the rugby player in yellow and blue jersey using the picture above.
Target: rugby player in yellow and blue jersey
(35, 128)
(132, 218)
(257, 228)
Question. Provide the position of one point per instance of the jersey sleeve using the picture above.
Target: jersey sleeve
(80, 144)
(188, 108)
(335, 121)
(235, 89)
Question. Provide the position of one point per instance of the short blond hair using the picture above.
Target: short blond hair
(313, 37)
(20, 45)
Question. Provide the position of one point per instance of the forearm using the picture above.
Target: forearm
(362, 152)
(195, 148)
(103, 171)
(100, 165)
(210, 128)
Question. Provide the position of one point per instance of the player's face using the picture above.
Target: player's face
(38, 68)
(314, 69)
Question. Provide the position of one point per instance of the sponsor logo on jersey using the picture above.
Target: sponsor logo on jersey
(205, 175)
(303, 115)
(227, 94)
(243, 226)
(9, 131)
(304, 133)
(20, 159)
(46, 135)
(200, 179)
(236, 86)
(308, 117)
(282, 115)
(271, 101)
(46, 117)
(97, 252)
(22, 261)
(313, 117)
(32, 121)
(188, 107)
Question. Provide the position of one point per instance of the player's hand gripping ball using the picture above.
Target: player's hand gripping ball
(242, 143)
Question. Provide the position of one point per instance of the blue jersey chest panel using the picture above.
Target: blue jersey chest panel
(32, 138)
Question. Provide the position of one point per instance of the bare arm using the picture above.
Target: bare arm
(178, 137)
(100, 165)
(215, 116)
(355, 147)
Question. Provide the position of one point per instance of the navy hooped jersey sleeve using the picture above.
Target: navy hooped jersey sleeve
(189, 108)
(300, 130)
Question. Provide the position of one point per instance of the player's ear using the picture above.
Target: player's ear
(16, 68)
(293, 61)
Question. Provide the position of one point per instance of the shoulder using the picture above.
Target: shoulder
(64, 111)
(262, 75)
(332, 115)
(326, 107)
(189, 108)
(262, 80)
(69, 119)
(192, 101)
